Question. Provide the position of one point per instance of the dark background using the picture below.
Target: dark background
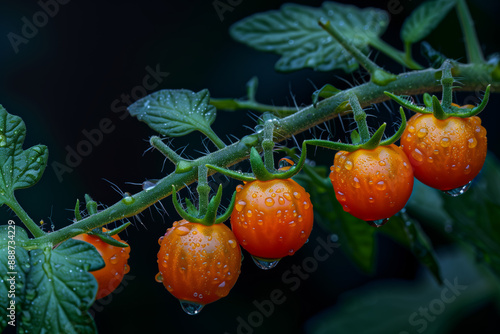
(64, 80)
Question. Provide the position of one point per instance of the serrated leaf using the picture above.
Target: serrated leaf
(424, 19)
(59, 290)
(11, 237)
(175, 112)
(293, 32)
(356, 237)
(19, 168)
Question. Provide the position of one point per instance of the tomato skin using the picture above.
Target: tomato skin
(445, 154)
(272, 219)
(372, 184)
(115, 259)
(199, 263)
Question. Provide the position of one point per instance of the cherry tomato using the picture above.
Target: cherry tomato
(372, 184)
(272, 219)
(445, 154)
(115, 259)
(198, 263)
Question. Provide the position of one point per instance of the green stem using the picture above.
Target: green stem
(403, 58)
(268, 144)
(213, 137)
(378, 75)
(25, 218)
(157, 143)
(360, 118)
(235, 104)
(473, 48)
(203, 190)
(411, 83)
(447, 83)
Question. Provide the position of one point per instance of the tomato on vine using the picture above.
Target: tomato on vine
(372, 179)
(273, 215)
(445, 142)
(199, 259)
(372, 184)
(198, 264)
(115, 259)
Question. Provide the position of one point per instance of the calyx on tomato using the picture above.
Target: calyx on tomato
(445, 108)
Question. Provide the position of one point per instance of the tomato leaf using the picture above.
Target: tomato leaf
(293, 32)
(424, 19)
(175, 112)
(59, 290)
(19, 168)
(14, 266)
(397, 306)
(475, 214)
(356, 236)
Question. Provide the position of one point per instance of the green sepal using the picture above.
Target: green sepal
(105, 237)
(91, 205)
(408, 104)
(225, 216)
(437, 110)
(398, 133)
(191, 208)
(119, 229)
(428, 100)
(258, 168)
(245, 177)
(375, 139)
(185, 215)
(355, 138)
(78, 216)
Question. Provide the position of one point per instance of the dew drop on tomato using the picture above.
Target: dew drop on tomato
(458, 191)
(269, 201)
(159, 278)
(378, 222)
(265, 264)
(191, 308)
(113, 259)
(126, 269)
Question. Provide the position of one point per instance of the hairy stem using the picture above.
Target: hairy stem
(411, 83)
(25, 218)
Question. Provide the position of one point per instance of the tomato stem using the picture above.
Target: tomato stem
(203, 190)
(377, 75)
(157, 143)
(268, 143)
(360, 118)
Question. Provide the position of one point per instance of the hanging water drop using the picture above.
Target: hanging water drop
(285, 163)
(149, 184)
(128, 199)
(458, 191)
(159, 278)
(191, 308)
(378, 222)
(265, 264)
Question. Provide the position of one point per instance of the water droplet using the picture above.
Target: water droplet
(113, 259)
(467, 169)
(285, 163)
(239, 187)
(458, 191)
(287, 196)
(417, 155)
(191, 308)
(371, 200)
(149, 184)
(281, 200)
(278, 213)
(239, 205)
(232, 243)
(265, 264)
(159, 278)
(249, 213)
(223, 284)
(348, 165)
(306, 205)
(181, 230)
(378, 222)
(269, 201)
(334, 238)
(422, 132)
(355, 183)
(382, 163)
(411, 129)
(254, 195)
(159, 240)
(381, 185)
(296, 195)
(128, 199)
(126, 269)
(445, 142)
(472, 142)
(341, 196)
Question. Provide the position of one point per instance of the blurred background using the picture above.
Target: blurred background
(86, 62)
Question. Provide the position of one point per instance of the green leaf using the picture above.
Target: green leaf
(175, 112)
(409, 234)
(19, 168)
(419, 306)
(424, 19)
(475, 215)
(355, 235)
(59, 290)
(293, 32)
(14, 263)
